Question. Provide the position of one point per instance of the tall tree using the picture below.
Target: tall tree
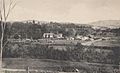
(5, 10)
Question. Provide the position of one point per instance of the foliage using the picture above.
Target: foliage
(73, 53)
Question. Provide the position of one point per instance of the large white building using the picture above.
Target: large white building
(48, 35)
(52, 35)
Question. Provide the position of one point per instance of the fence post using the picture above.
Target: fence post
(27, 69)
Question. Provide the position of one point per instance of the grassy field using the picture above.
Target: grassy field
(43, 64)
(109, 43)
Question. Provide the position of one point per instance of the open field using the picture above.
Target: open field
(43, 64)
(19, 65)
(109, 43)
(97, 42)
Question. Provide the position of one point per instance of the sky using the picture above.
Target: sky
(82, 11)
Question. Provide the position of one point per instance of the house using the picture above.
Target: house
(59, 36)
(70, 38)
(52, 35)
(79, 37)
(48, 35)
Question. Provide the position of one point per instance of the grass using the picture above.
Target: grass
(111, 43)
(13, 72)
(26, 72)
(43, 64)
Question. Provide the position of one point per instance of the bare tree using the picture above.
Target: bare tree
(5, 10)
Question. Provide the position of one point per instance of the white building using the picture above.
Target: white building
(48, 35)
(52, 35)
(59, 36)
(79, 37)
(70, 38)
(85, 38)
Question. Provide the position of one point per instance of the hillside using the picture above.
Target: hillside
(35, 29)
(107, 23)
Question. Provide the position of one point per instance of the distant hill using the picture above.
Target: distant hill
(107, 23)
(96, 24)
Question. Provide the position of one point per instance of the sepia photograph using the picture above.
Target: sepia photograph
(59, 36)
